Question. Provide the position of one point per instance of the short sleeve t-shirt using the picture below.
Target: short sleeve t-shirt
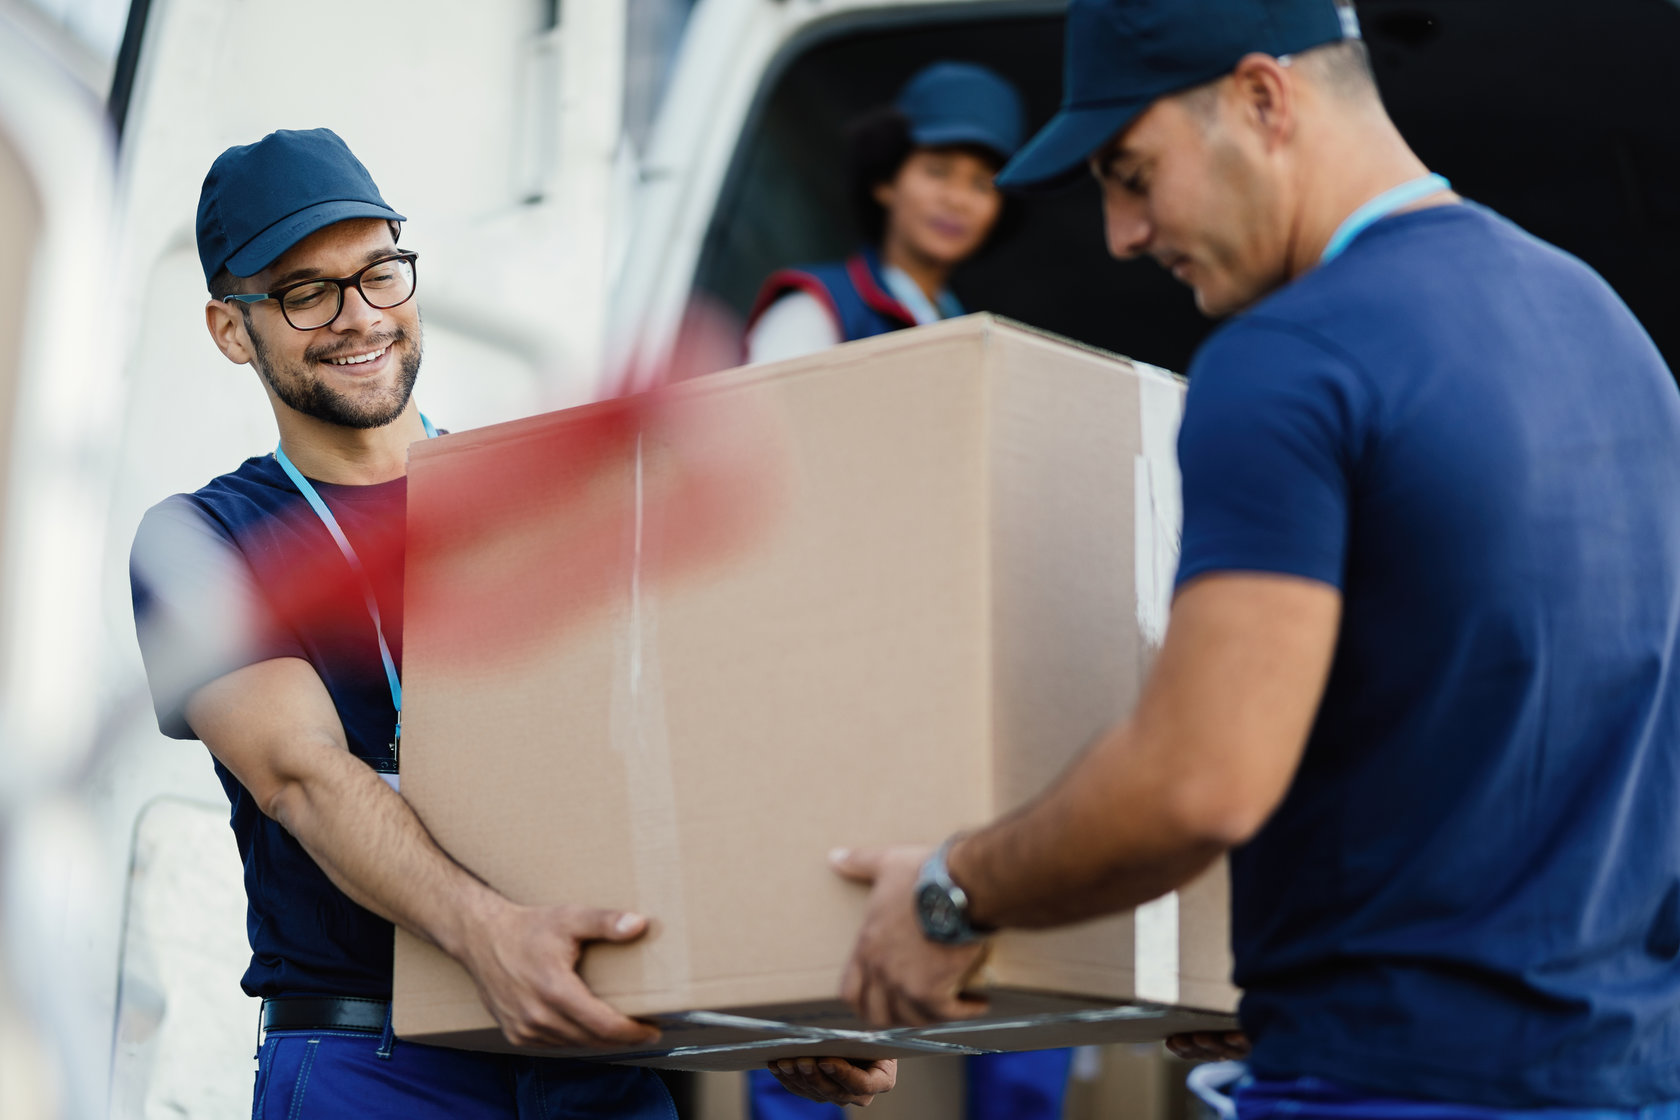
(1472, 889)
(243, 571)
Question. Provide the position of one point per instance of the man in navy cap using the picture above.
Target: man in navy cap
(1420, 673)
(269, 608)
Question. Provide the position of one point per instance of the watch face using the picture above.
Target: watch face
(938, 913)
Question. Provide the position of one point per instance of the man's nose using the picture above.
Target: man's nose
(1127, 226)
(357, 314)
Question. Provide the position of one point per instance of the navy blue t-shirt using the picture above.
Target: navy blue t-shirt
(1472, 889)
(243, 571)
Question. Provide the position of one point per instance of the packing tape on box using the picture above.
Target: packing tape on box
(641, 737)
(922, 1040)
(1158, 528)
(1094, 1015)
(1158, 505)
(901, 1037)
(1155, 949)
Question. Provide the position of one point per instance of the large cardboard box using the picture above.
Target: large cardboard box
(665, 653)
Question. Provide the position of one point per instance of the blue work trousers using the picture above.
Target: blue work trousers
(325, 1075)
(1312, 1098)
(1025, 1086)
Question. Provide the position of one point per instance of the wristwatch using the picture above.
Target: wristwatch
(941, 905)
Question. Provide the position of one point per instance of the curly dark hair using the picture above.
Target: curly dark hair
(880, 143)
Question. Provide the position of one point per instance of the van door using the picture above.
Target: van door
(59, 403)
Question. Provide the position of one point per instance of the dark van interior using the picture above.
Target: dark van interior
(1557, 113)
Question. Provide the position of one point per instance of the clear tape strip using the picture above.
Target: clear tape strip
(915, 1039)
(1101, 1015)
(1158, 526)
(641, 737)
(902, 1037)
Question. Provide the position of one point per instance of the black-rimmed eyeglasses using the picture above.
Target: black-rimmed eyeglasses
(310, 305)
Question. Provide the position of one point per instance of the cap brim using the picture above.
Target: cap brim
(268, 246)
(1059, 151)
(953, 136)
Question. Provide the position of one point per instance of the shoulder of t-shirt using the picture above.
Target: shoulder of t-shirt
(1273, 344)
(226, 501)
(258, 480)
(175, 524)
(1325, 312)
(1433, 239)
(1284, 371)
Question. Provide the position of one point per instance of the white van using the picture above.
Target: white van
(576, 173)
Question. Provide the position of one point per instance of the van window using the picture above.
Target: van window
(1561, 124)
(787, 198)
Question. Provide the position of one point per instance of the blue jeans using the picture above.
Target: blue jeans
(324, 1075)
(1025, 1086)
(1313, 1098)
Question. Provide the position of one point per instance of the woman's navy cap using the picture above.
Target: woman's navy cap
(261, 199)
(1123, 55)
(950, 103)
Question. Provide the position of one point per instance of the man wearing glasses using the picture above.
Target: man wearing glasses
(269, 608)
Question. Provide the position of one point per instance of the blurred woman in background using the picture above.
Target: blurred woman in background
(922, 185)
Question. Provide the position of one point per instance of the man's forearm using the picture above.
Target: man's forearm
(371, 845)
(1104, 838)
(274, 725)
(1203, 762)
(1206, 757)
(523, 958)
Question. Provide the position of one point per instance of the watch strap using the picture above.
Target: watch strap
(942, 905)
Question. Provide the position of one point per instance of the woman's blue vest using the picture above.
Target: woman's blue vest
(854, 292)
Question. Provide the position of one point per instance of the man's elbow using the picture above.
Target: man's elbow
(1216, 811)
(283, 800)
(284, 788)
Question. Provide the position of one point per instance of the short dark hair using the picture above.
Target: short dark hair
(225, 283)
(1343, 68)
(880, 144)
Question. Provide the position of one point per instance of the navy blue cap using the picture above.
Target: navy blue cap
(261, 199)
(950, 103)
(1123, 55)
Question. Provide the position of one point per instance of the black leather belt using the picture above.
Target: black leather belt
(325, 1013)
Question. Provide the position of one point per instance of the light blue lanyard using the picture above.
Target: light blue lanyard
(310, 495)
(1380, 207)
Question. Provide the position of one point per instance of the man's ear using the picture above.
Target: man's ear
(1265, 90)
(227, 331)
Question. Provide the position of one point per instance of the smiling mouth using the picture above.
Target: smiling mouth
(1178, 267)
(358, 359)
